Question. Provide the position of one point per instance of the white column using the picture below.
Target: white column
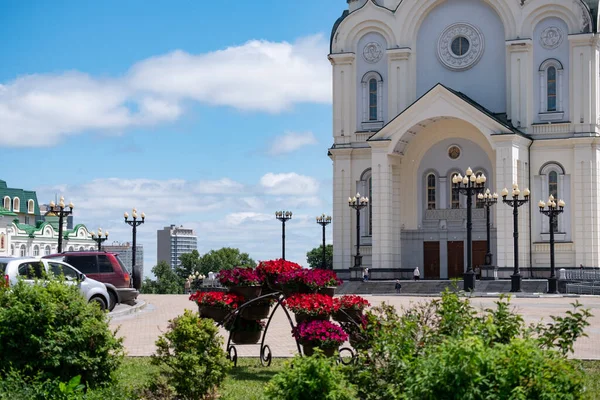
(583, 60)
(344, 95)
(398, 88)
(383, 240)
(520, 106)
(342, 216)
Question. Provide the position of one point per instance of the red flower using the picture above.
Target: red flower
(228, 301)
(320, 333)
(239, 277)
(310, 304)
(351, 302)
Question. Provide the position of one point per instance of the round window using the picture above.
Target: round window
(454, 152)
(460, 46)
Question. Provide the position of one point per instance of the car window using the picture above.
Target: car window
(104, 264)
(32, 270)
(85, 264)
(62, 269)
(121, 264)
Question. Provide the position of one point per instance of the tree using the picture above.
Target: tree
(225, 258)
(315, 257)
(190, 262)
(167, 281)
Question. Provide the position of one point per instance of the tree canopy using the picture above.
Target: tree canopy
(315, 257)
(167, 281)
(224, 258)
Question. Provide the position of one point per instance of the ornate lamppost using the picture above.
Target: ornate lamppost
(60, 211)
(469, 185)
(99, 239)
(515, 203)
(488, 200)
(552, 212)
(283, 216)
(324, 220)
(358, 203)
(134, 223)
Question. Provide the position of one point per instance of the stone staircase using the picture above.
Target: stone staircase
(431, 287)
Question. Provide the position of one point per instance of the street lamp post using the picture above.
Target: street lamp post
(358, 203)
(134, 223)
(283, 216)
(324, 220)
(552, 212)
(60, 211)
(469, 185)
(99, 239)
(515, 203)
(488, 200)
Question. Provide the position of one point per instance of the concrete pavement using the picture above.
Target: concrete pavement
(141, 329)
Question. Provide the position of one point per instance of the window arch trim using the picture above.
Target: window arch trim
(7, 202)
(365, 186)
(545, 171)
(367, 122)
(545, 113)
(431, 191)
(30, 206)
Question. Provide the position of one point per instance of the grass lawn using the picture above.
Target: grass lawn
(248, 379)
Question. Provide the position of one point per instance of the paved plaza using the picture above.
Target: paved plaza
(140, 330)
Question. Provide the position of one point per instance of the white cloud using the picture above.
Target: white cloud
(38, 110)
(289, 184)
(291, 141)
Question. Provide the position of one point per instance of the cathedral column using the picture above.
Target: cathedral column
(344, 96)
(583, 78)
(512, 166)
(398, 89)
(343, 187)
(520, 85)
(382, 178)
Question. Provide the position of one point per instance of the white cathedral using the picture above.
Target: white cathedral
(424, 89)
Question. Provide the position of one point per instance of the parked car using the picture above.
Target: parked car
(31, 269)
(105, 267)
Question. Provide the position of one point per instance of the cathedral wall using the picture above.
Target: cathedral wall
(485, 82)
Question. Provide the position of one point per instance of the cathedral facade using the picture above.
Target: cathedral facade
(424, 89)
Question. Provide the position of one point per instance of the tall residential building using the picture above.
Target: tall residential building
(124, 251)
(173, 241)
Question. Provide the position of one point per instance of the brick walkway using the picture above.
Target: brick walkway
(141, 330)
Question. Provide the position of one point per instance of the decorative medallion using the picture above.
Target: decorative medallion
(453, 152)
(551, 37)
(460, 46)
(372, 52)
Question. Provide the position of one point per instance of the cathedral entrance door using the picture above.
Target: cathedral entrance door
(456, 259)
(431, 260)
(479, 250)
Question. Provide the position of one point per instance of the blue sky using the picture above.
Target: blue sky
(209, 114)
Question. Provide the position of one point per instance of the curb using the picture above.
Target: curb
(140, 305)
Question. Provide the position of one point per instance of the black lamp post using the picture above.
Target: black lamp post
(469, 185)
(553, 213)
(283, 216)
(358, 203)
(99, 239)
(134, 222)
(515, 203)
(324, 221)
(488, 200)
(60, 211)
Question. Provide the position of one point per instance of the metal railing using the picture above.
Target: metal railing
(584, 288)
(581, 275)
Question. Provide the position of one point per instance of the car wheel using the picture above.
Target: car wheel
(113, 300)
(100, 301)
(137, 277)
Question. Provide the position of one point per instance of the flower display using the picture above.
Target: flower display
(310, 304)
(239, 277)
(224, 300)
(310, 279)
(323, 334)
(351, 302)
(271, 269)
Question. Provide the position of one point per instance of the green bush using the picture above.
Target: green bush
(51, 332)
(314, 377)
(468, 355)
(193, 356)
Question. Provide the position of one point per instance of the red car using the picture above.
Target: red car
(106, 268)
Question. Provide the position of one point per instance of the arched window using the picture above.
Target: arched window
(23, 250)
(91, 248)
(478, 204)
(47, 250)
(553, 190)
(365, 186)
(81, 248)
(431, 182)
(70, 248)
(454, 195)
(30, 206)
(16, 204)
(551, 90)
(372, 101)
(553, 175)
(7, 202)
(36, 251)
(12, 249)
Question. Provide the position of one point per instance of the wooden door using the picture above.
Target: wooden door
(479, 249)
(456, 259)
(431, 260)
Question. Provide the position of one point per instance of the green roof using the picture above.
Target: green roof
(23, 195)
(5, 212)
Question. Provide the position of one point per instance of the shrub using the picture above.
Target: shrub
(313, 377)
(192, 352)
(49, 330)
